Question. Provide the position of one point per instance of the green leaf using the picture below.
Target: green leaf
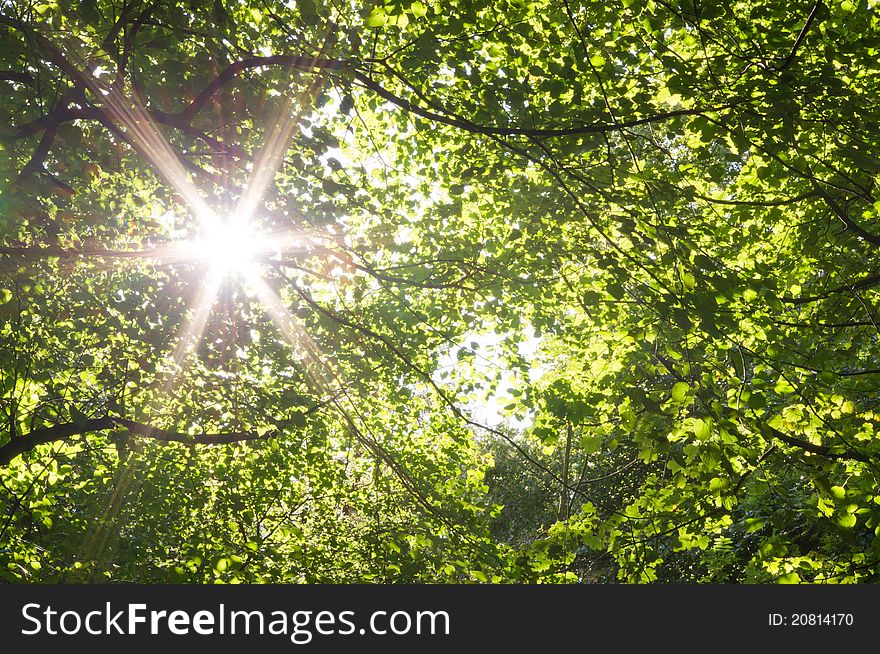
(591, 444)
(783, 387)
(376, 18)
(702, 428)
(756, 401)
(789, 578)
(846, 520)
(680, 391)
(688, 280)
(616, 291)
(717, 484)
(88, 10)
(308, 8)
(710, 455)
(754, 524)
(298, 419)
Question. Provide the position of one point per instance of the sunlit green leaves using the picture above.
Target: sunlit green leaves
(680, 391)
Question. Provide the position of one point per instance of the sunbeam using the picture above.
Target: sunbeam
(294, 334)
(143, 135)
(193, 327)
(271, 155)
(225, 246)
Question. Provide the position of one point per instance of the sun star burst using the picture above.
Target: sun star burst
(231, 247)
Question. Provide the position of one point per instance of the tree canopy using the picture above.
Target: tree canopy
(512, 291)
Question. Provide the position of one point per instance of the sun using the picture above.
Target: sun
(230, 246)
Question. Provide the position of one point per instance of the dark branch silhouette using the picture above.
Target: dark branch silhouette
(65, 431)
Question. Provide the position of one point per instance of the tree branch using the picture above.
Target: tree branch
(461, 123)
(821, 450)
(124, 14)
(867, 282)
(63, 431)
(35, 163)
(15, 76)
(801, 36)
(840, 212)
(233, 70)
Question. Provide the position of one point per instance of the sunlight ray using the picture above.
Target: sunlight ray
(146, 137)
(225, 245)
(95, 540)
(193, 327)
(128, 118)
(294, 334)
(268, 161)
(155, 148)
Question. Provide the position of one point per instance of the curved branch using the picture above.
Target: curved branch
(866, 282)
(182, 120)
(233, 70)
(64, 431)
(16, 76)
(592, 128)
(840, 212)
(306, 62)
(821, 450)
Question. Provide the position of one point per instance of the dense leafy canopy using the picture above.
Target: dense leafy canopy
(556, 290)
